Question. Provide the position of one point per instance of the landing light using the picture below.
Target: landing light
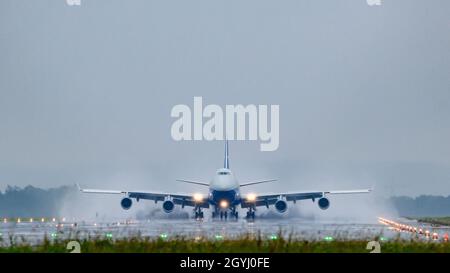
(223, 204)
(251, 197)
(198, 197)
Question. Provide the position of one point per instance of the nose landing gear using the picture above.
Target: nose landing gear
(224, 214)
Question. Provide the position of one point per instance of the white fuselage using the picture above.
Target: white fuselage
(224, 187)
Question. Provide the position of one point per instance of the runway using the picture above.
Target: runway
(33, 231)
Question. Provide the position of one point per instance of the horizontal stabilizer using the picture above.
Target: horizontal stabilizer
(99, 191)
(258, 182)
(350, 191)
(194, 182)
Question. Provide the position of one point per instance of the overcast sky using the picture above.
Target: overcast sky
(364, 92)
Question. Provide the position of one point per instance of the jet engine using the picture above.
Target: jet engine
(126, 203)
(281, 206)
(324, 203)
(168, 206)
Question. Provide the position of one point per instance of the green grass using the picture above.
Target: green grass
(239, 245)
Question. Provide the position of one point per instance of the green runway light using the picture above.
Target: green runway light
(53, 235)
(163, 236)
(273, 237)
(219, 237)
(328, 238)
(109, 235)
(383, 239)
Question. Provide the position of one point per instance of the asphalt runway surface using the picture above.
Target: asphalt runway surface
(33, 231)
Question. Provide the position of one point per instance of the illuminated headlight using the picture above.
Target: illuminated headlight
(223, 204)
(251, 197)
(198, 198)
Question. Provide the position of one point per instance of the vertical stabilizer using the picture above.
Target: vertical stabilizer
(226, 161)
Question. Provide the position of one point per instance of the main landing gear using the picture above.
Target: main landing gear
(250, 214)
(198, 213)
(234, 214)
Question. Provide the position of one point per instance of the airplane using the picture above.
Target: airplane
(224, 196)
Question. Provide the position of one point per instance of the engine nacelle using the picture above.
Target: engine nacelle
(168, 206)
(324, 203)
(281, 206)
(126, 203)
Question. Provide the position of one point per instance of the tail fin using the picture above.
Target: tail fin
(226, 161)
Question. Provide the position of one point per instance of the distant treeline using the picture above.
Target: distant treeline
(35, 202)
(422, 206)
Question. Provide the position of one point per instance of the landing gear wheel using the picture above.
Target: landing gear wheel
(198, 214)
(226, 215)
(234, 214)
(250, 215)
(221, 215)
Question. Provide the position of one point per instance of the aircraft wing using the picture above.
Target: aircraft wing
(270, 199)
(179, 199)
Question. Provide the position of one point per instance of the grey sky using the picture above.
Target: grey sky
(364, 92)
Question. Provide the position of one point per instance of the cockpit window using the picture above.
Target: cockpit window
(224, 173)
